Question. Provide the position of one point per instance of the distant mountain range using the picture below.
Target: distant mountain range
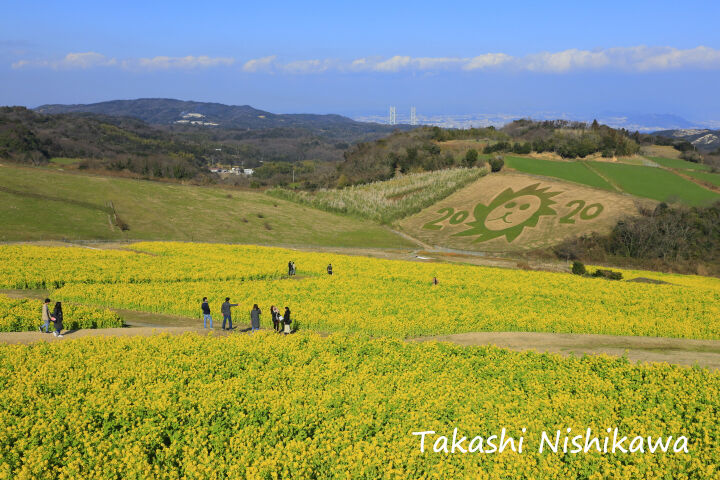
(704, 139)
(166, 111)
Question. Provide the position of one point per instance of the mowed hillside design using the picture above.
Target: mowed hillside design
(515, 212)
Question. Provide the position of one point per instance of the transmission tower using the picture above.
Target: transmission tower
(413, 116)
(393, 118)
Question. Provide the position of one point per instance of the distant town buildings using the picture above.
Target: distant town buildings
(195, 119)
(233, 171)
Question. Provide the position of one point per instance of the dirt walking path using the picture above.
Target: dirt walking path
(678, 351)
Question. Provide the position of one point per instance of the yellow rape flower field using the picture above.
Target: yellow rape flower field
(345, 396)
(17, 315)
(303, 406)
(366, 295)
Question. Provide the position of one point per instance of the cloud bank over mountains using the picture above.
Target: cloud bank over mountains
(637, 59)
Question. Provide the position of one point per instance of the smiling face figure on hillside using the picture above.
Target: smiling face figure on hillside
(509, 213)
(513, 212)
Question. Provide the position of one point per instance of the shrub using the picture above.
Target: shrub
(578, 268)
(471, 157)
(496, 163)
(607, 274)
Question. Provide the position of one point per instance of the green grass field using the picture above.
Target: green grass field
(43, 204)
(576, 172)
(713, 178)
(64, 161)
(679, 164)
(655, 183)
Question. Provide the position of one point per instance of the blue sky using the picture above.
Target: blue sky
(580, 58)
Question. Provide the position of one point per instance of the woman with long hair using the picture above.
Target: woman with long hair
(58, 316)
(275, 315)
(255, 318)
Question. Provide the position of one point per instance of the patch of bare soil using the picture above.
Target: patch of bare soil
(677, 351)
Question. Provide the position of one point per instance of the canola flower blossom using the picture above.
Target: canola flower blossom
(368, 295)
(306, 406)
(17, 315)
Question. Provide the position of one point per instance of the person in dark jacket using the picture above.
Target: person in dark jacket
(207, 318)
(255, 318)
(58, 319)
(227, 316)
(329, 269)
(275, 314)
(286, 320)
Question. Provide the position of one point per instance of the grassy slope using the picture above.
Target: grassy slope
(679, 163)
(72, 206)
(573, 171)
(655, 183)
(713, 178)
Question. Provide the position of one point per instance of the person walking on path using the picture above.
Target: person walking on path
(227, 316)
(275, 315)
(289, 269)
(435, 281)
(329, 269)
(46, 317)
(255, 318)
(286, 320)
(58, 319)
(293, 268)
(207, 318)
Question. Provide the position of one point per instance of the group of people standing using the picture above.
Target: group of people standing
(55, 317)
(281, 322)
(292, 270)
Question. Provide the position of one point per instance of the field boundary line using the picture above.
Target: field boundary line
(607, 179)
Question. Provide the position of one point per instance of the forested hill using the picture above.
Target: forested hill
(165, 111)
(703, 139)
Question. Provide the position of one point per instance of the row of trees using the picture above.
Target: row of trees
(679, 237)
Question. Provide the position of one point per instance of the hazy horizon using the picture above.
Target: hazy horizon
(322, 57)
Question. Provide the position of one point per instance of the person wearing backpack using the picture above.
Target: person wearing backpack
(207, 318)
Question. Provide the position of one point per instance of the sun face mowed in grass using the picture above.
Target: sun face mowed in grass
(655, 183)
(515, 212)
(270, 406)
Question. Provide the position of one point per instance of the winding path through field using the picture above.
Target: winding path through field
(678, 351)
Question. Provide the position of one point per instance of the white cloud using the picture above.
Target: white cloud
(630, 59)
(486, 61)
(264, 64)
(308, 66)
(188, 62)
(80, 60)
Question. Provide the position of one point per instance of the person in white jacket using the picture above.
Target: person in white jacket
(46, 317)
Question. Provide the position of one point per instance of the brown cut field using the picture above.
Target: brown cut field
(508, 212)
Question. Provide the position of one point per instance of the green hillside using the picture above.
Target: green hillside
(573, 171)
(712, 178)
(43, 204)
(679, 164)
(655, 183)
